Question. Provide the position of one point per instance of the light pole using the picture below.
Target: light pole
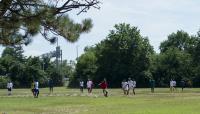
(77, 52)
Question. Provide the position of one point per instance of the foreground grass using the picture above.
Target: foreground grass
(70, 101)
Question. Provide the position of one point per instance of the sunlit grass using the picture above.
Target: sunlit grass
(70, 101)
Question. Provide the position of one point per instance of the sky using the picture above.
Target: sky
(156, 19)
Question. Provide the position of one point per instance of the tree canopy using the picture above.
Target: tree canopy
(20, 20)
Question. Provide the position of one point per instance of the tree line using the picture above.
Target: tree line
(22, 70)
(126, 53)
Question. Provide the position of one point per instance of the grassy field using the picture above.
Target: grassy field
(70, 101)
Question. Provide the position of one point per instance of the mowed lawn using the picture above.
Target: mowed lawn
(70, 101)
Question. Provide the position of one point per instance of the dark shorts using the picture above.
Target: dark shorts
(36, 91)
(9, 89)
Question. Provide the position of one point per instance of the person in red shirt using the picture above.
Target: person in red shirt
(104, 86)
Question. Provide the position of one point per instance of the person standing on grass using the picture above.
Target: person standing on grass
(122, 85)
(89, 85)
(36, 92)
(174, 85)
(125, 87)
(171, 83)
(9, 87)
(152, 85)
(182, 84)
(81, 84)
(104, 86)
(131, 85)
(51, 86)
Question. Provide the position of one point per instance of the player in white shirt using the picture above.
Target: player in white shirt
(81, 84)
(125, 87)
(36, 92)
(171, 85)
(132, 85)
(89, 85)
(174, 85)
(9, 87)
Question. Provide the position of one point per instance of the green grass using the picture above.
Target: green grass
(70, 101)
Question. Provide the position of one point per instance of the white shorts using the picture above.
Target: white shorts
(126, 88)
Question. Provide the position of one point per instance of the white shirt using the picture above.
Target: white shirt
(171, 83)
(89, 84)
(134, 83)
(130, 83)
(10, 85)
(125, 85)
(174, 83)
(36, 85)
(81, 83)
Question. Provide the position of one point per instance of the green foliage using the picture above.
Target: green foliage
(22, 71)
(172, 64)
(124, 53)
(85, 68)
(178, 59)
(180, 40)
(21, 20)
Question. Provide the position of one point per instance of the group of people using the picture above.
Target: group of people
(103, 85)
(35, 88)
(89, 85)
(128, 86)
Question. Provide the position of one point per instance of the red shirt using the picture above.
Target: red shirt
(103, 85)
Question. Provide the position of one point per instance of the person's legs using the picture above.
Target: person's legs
(9, 93)
(127, 92)
(81, 89)
(35, 93)
(124, 91)
(90, 90)
(105, 92)
(134, 91)
(38, 93)
(51, 89)
(171, 89)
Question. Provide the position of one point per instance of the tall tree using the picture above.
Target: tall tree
(181, 40)
(20, 20)
(172, 64)
(124, 53)
(176, 60)
(86, 67)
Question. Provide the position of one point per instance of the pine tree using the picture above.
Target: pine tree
(20, 20)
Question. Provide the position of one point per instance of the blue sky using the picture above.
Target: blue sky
(156, 19)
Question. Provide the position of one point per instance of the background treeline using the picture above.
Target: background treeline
(126, 53)
(23, 70)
